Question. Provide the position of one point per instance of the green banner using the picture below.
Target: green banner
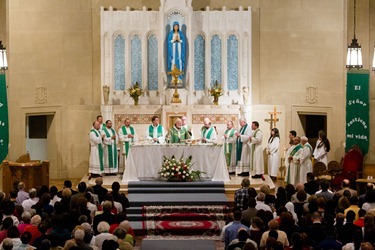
(4, 126)
(357, 110)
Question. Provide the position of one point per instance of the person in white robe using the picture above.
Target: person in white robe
(256, 151)
(96, 165)
(127, 136)
(155, 133)
(322, 148)
(243, 148)
(110, 153)
(188, 127)
(294, 162)
(208, 132)
(273, 153)
(306, 165)
(229, 140)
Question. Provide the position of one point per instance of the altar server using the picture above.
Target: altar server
(208, 132)
(243, 149)
(110, 156)
(155, 131)
(273, 153)
(96, 166)
(322, 148)
(178, 133)
(229, 139)
(256, 155)
(306, 165)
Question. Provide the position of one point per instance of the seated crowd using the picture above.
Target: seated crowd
(306, 216)
(45, 218)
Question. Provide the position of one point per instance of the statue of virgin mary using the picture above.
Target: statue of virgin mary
(176, 49)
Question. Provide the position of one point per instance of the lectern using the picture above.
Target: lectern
(32, 173)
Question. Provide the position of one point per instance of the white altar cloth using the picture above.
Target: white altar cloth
(144, 161)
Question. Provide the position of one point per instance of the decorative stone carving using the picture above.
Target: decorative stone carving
(40, 95)
(106, 94)
(312, 95)
(245, 94)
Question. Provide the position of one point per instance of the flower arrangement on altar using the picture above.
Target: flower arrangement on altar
(174, 169)
(216, 90)
(135, 91)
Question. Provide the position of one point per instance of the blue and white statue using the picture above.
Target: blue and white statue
(176, 49)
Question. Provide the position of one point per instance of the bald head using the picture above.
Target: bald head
(207, 122)
(99, 181)
(345, 183)
(304, 139)
(178, 123)
(300, 186)
(296, 140)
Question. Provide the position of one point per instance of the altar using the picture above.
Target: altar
(144, 161)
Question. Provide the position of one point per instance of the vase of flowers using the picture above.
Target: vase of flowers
(135, 91)
(216, 91)
(178, 170)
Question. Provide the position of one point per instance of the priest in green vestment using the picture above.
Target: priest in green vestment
(96, 166)
(178, 133)
(208, 132)
(188, 127)
(110, 154)
(229, 139)
(155, 132)
(243, 148)
(294, 162)
(99, 119)
(127, 135)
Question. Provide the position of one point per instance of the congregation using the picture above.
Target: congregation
(308, 215)
(45, 218)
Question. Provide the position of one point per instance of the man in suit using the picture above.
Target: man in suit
(105, 216)
(99, 190)
(250, 212)
(67, 184)
(312, 186)
(316, 231)
(346, 186)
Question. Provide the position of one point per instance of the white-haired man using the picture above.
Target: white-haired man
(243, 149)
(306, 165)
(103, 228)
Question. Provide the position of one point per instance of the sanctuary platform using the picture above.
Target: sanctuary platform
(230, 186)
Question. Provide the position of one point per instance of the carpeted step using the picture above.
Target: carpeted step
(177, 199)
(175, 190)
(164, 195)
(211, 184)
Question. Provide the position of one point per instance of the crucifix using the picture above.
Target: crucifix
(273, 119)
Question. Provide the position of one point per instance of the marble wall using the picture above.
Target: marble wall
(55, 45)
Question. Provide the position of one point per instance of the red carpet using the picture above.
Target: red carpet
(184, 220)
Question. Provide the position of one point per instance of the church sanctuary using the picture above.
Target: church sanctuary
(187, 124)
